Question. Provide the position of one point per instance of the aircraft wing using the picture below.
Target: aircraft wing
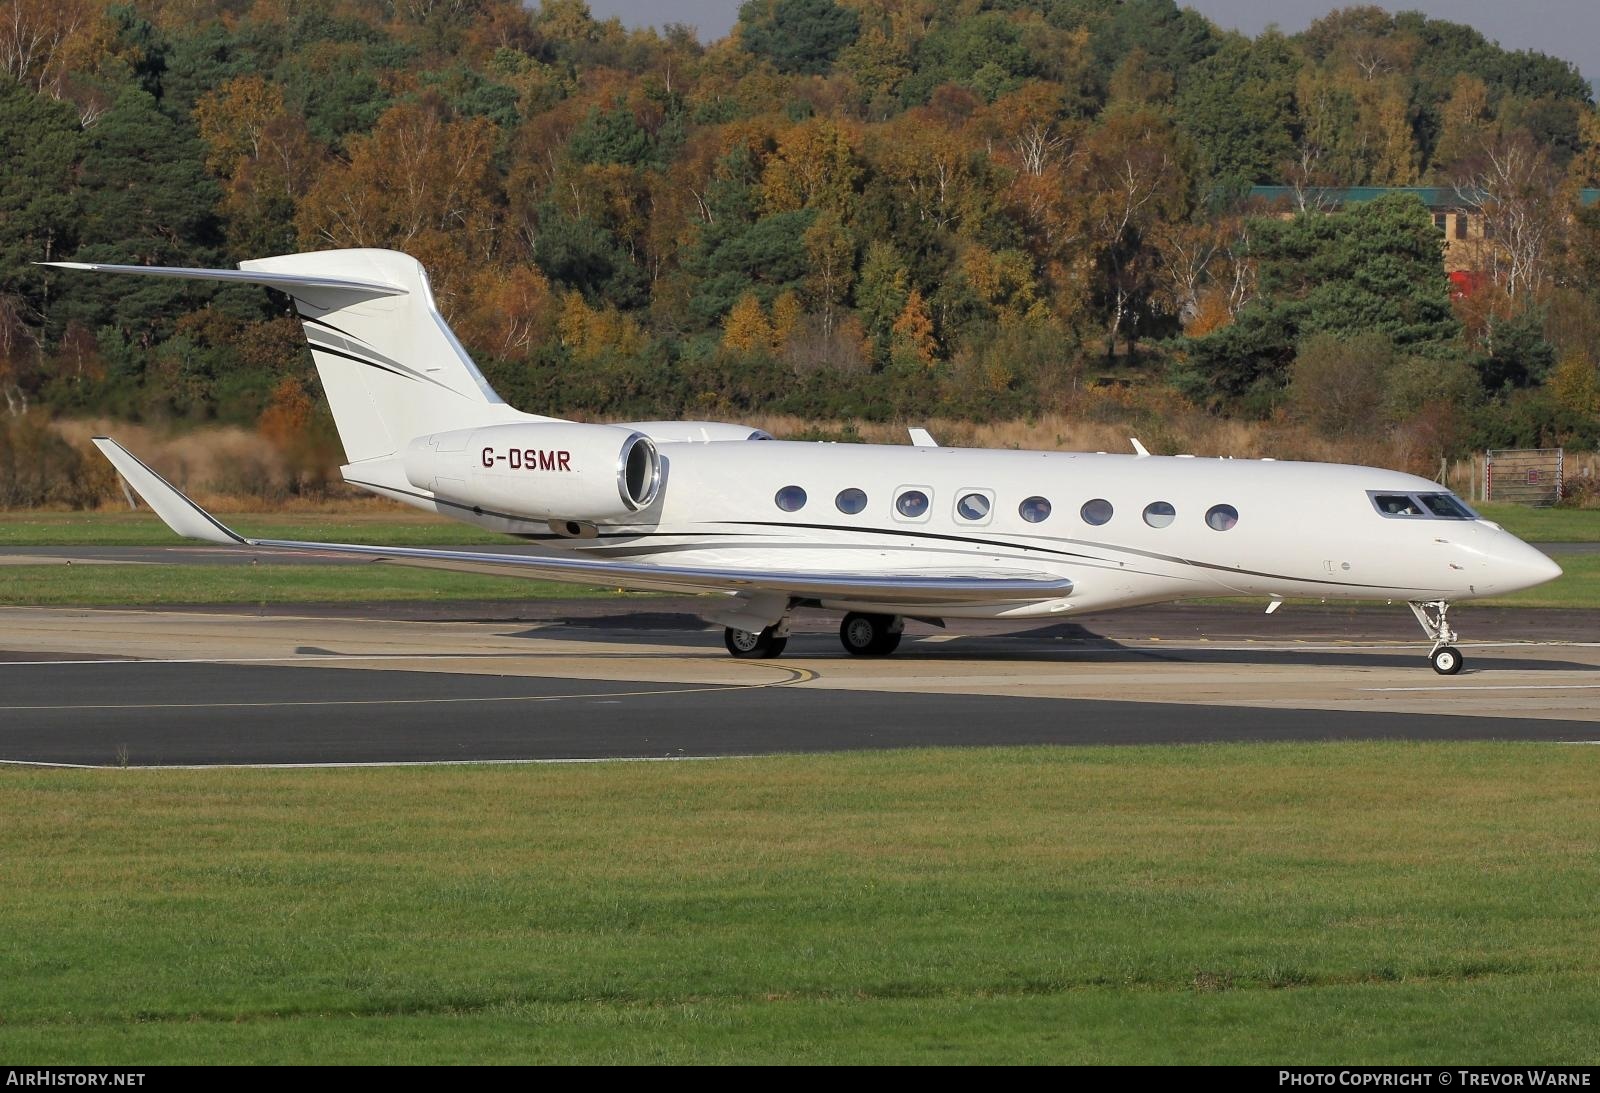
(926, 588)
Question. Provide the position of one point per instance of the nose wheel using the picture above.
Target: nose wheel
(1446, 660)
(870, 635)
(1444, 656)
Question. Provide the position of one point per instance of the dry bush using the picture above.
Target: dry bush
(809, 348)
(1104, 420)
(225, 468)
(40, 467)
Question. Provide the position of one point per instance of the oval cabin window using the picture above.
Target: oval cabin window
(1159, 514)
(912, 504)
(973, 506)
(1035, 510)
(1096, 512)
(791, 499)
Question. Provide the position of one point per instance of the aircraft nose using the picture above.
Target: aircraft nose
(1517, 565)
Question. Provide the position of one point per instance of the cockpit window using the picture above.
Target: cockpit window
(1422, 506)
(1396, 504)
(1446, 506)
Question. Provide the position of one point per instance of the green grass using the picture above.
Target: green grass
(132, 585)
(1545, 525)
(1317, 904)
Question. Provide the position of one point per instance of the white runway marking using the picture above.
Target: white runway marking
(1497, 687)
(396, 701)
(1306, 646)
(383, 763)
(298, 658)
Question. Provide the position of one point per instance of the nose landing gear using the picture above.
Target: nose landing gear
(1444, 656)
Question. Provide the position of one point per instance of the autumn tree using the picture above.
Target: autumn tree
(935, 172)
(419, 181)
(589, 333)
(1033, 125)
(19, 347)
(1003, 283)
(786, 317)
(509, 312)
(1466, 123)
(912, 332)
(878, 62)
(1511, 183)
(812, 168)
(995, 188)
(746, 328)
(1136, 176)
(233, 121)
(1185, 252)
(265, 157)
(1575, 383)
(38, 39)
(831, 253)
(883, 289)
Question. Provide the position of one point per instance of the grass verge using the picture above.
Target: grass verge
(1545, 525)
(135, 585)
(1322, 904)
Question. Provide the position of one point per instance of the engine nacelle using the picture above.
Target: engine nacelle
(695, 432)
(556, 471)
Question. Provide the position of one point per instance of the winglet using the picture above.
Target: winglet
(921, 438)
(1139, 449)
(181, 514)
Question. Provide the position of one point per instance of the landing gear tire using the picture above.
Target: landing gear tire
(870, 635)
(751, 645)
(1433, 615)
(1446, 660)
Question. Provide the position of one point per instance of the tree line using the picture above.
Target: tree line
(845, 208)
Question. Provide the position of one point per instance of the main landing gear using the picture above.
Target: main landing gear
(1444, 656)
(870, 635)
(757, 645)
(861, 635)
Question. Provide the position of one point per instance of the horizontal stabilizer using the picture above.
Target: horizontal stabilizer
(284, 282)
(922, 588)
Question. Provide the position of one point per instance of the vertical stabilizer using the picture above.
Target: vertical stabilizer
(392, 369)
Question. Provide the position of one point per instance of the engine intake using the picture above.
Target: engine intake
(540, 471)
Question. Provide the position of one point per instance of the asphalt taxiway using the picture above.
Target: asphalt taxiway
(646, 679)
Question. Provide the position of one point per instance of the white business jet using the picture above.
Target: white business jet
(879, 533)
